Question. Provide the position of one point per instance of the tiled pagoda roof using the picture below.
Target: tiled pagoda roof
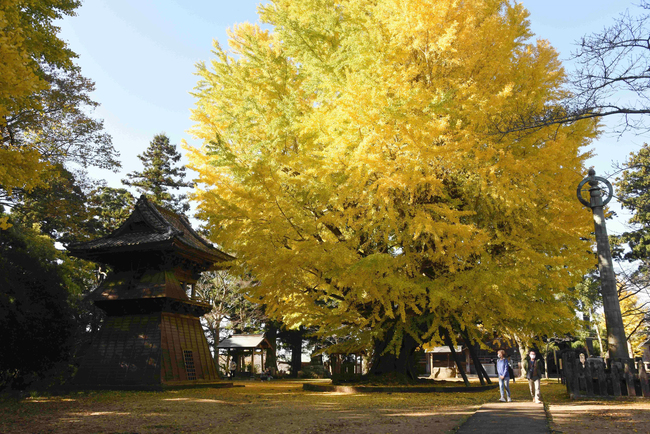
(150, 227)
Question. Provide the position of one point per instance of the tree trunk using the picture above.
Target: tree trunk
(271, 353)
(523, 352)
(215, 339)
(546, 354)
(450, 344)
(477, 365)
(295, 337)
(404, 363)
(482, 375)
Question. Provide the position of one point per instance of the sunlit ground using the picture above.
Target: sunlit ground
(596, 415)
(283, 407)
(270, 407)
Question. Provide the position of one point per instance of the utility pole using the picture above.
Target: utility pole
(614, 321)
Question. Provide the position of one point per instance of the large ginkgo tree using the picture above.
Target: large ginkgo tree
(350, 163)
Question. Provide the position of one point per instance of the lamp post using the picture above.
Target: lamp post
(614, 321)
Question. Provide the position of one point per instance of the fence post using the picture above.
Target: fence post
(580, 375)
(629, 377)
(589, 379)
(643, 376)
(616, 379)
(566, 372)
(602, 380)
(572, 381)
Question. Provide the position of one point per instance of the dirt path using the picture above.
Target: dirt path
(601, 417)
(507, 417)
(596, 415)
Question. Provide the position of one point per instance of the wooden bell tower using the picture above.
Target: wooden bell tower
(152, 337)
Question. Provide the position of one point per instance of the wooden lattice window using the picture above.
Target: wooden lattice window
(188, 355)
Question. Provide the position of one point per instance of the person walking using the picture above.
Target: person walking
(233, 368)
(504, 375)
(511, 371)
(534, 370)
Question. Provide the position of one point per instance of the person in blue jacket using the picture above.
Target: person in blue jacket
(504, 375)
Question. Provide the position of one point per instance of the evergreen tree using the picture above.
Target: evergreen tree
(634, 194)
(58, 206)
(160, 174)
(70, 206)
(110, 207)
(36, 317)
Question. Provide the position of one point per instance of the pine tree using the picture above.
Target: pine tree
(634, 193)
(160, 174)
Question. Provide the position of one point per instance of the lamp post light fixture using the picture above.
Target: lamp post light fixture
(616, 341)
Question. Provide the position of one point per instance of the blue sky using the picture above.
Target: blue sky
(142, 55)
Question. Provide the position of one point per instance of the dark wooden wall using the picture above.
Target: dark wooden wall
(125, 352)
(146, 351)
(179, 333)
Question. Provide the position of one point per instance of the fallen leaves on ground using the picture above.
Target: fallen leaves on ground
(275, 407)
(596, 415)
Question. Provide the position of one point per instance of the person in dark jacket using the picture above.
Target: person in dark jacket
(534, 368)
(504, 375)
(233, 368)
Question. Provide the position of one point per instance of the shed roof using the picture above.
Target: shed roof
(444, 349)
(245, 341)
(149, 227)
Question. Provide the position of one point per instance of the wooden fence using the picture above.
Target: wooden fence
(590, 377)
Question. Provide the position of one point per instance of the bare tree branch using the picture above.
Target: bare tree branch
(611, 78)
